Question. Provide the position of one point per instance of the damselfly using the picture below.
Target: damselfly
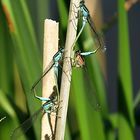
(54, 63)
(79, 62)
(87, 18)
(49, 106)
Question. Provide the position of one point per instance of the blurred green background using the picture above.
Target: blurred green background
(104, 99)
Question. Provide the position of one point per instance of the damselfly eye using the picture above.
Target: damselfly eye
(77, 52)
(82, 1)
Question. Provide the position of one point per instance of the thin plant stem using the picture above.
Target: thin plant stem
(49, 81)
(67, 71)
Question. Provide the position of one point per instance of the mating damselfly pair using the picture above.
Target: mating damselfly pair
(51, 104)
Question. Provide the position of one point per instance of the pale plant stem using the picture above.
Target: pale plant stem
(67, 71)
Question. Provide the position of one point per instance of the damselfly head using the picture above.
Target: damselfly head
(82, 2)
(61, 49)
(77, 53)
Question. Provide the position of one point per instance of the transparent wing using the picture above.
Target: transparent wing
(47, 69)
(91, 94)
(23, 128)
(95, 34)
(91, 91)
(55, 61)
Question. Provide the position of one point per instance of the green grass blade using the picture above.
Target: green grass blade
(137, 100)
(94, 70)
(89, 119)
(11, 119)
(43, 12)
(25, 49)
(6, 55)
(6, 105)
(80, 104)
(67, 133)
(126, 118)
(63, 13)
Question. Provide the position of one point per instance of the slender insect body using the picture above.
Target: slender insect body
(48, 107)
(56, 59)
(54, 63)
(58, 56)
(84, 10)
(87, 18)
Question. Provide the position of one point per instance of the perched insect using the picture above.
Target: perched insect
(54, 63)
(83, 10)
(49, 106)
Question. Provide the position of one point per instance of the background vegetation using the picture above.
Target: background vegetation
(89, 115)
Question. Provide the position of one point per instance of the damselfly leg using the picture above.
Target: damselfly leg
(48, 107)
